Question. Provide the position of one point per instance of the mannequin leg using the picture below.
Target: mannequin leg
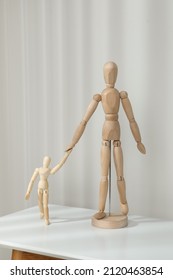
(45, 205)
(118, 159)
(40, 203)
(105, 160)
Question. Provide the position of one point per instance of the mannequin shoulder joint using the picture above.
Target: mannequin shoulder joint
(123, 95)
(97, 97)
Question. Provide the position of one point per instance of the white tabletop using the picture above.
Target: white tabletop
(71, 235)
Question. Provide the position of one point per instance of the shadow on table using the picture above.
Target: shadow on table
(55, 220)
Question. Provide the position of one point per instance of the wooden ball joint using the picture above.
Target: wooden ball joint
(110, 99)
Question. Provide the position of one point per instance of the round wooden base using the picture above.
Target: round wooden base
(112, 221)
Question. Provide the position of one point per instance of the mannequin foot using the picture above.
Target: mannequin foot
(41, 215)
(100, 215)
(47, 222)
(124, 208)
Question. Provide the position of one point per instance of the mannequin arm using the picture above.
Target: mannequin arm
(133, 124)
(30, 186)
(60, 164)
(80, 129)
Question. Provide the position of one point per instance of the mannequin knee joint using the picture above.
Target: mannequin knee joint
(120, 178)
(117, 143)
(106, 143)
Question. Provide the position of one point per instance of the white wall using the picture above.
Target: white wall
(51, 58)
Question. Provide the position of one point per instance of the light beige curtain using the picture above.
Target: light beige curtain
(51, 58)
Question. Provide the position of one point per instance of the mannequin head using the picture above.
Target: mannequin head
(46, 161)
(110, 71)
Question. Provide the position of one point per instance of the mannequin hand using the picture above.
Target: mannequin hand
(27, 195)
(141, 148)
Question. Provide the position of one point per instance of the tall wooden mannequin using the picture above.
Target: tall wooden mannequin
(110, 99)
(43, 190)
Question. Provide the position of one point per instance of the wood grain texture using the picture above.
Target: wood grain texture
(20, 255)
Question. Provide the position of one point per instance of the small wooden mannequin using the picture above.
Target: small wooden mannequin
(110, 98)
(43, 192)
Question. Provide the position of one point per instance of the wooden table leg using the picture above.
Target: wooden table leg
(20, 255)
